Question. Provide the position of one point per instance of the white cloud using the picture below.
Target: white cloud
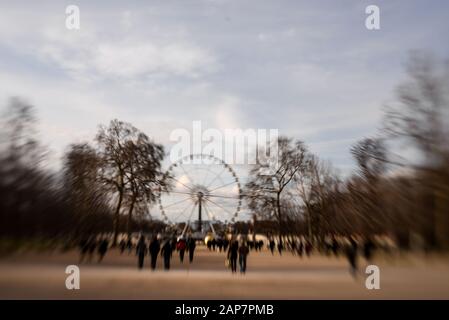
(318, 77)
(133, 60)
(91, 53)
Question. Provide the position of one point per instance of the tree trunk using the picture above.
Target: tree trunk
(309, 221)
(278, 204)
(117, 218)
(130, 212)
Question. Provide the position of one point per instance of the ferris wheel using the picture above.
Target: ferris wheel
(200, 189)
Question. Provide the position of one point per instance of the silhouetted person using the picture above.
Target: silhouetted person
(272, 244)
(243, 253)
(181, 247)
(129, 245)
(141, 251)
(308, 248)
(225, 244)
(368, 248)
(154, 251)
(83, 248)
(191, 245)
(173, 244)
(233, 254)
(166, 252)
(122, 246)
(92, 245)
(102, 249)
(300, 248)
(335, 246)
(351, 254)
(220, 244)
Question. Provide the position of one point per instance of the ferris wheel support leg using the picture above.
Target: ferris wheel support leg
(185, 228)
(212, 227)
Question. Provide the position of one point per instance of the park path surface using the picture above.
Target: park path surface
(42, 276)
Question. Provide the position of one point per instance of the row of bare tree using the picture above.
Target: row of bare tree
(406, 198)
(97, 184)
(106, 186)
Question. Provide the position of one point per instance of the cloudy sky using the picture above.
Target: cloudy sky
(308, 68)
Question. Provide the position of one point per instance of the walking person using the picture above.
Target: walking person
(335, 246)
(300, 248)
(233, 254)
(308, 248)
(191, 245)
(102, 249)
(154, 251)
(243, 253)
(351, 254)
(173, 244)
(92, 245)
(141, 251)
(129, 244)
(181, 247)
(368, 248)
(272, 246)
(83, 248)
(225, 244)
(122, 246)
(166, 252)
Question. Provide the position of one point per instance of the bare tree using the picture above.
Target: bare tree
(130, 166)
(314, 186)
(420, 116)
(143, 171)
(31, 205)
(422, 109)
(85, 195)
(265, 191)
(112, 150)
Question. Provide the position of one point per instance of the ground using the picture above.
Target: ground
(42, 276)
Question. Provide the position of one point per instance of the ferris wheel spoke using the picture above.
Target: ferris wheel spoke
(182, 184)
(210, 215)
(191, 212)
(205, 177)
(188, 177)
(180, 192)
(220, 206)
(216, 177)
(222, 186)
(175, 203)
(182, 212)
(211, 218)
(223, 196)
(209, 195)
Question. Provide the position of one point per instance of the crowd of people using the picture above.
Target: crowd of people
(165, 248)
(220, 244)
(236, 251)
(351, 247)
(88, 247)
